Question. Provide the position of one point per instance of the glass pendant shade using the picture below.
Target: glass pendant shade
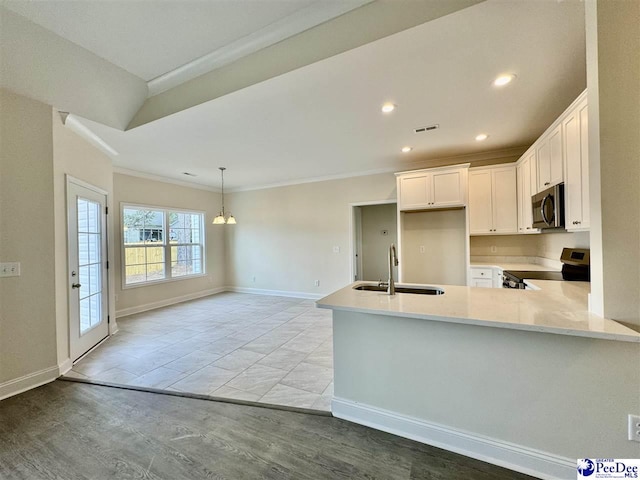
(221, 219)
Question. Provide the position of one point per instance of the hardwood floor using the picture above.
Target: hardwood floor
(70, 431)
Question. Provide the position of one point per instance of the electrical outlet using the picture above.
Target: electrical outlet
(634, 428)
(494, 249)
(336, 249)
(421, 248)
(317, 283)
(10, 269)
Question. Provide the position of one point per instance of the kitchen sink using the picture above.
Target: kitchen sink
(416, 290)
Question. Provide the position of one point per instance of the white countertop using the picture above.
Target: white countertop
(516, 266)
(558, 307)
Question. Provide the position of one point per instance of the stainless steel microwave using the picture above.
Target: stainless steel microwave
(548, 208)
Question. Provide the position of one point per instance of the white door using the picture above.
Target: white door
(87, 248)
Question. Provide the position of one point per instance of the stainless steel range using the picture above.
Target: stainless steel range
(575, 267)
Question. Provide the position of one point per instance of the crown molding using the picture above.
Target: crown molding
(418, 164)
(159, 178)
(297, 22)
(514, 152)
(323, 178)
(70, 121)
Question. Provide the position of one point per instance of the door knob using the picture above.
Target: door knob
(75, 285)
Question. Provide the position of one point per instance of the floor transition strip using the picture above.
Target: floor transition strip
(285, 408)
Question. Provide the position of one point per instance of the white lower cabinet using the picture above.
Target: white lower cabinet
(486, 277)
(482, 282)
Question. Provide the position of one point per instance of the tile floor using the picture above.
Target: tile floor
(260, 348)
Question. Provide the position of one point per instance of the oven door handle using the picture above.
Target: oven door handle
(542, 204)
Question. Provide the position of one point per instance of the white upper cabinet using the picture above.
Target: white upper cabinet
(562, 155)
(549, 156)
(527, 184)
(576, 154)
(432, 188)
(493, 205)
(414, 191)
(480, 202)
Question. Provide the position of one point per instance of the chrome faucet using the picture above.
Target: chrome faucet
(393, 262)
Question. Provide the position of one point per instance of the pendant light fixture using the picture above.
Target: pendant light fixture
(221, 218)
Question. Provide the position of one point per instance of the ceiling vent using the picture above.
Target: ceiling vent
(426, 129)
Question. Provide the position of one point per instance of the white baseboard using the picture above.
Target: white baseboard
(168, 301)
(498, 452)
(27, 382)
(276, 293)
(113, 327)
(65, 366)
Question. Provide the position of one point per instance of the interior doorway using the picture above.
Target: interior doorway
(374, 230)
(87, 253)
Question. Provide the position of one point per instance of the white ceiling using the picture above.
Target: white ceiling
(324, 119)
(151, 38)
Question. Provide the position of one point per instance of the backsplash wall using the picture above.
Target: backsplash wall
(505, 245)
(546, 245)
(550, 245)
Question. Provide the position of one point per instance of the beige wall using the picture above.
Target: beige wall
(74, 156)
(285, 236)
(375, 245)
(129, 189)
(556, 393)
(443, 234)
(27, 302)
(613, 43)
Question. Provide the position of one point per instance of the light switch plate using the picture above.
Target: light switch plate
(10, 269)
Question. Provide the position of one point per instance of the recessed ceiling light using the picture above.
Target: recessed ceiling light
(388, 107)
(481, 137)
(502, 80)
(406, 149)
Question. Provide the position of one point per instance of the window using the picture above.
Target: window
(161, 244)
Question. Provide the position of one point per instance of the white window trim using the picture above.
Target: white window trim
(167, 246)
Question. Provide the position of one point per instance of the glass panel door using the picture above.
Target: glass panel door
(88, 304)
(89, 263)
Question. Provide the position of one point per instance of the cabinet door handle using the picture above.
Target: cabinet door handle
(547, 183)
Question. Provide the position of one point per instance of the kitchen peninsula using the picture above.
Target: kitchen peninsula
(464, 370)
